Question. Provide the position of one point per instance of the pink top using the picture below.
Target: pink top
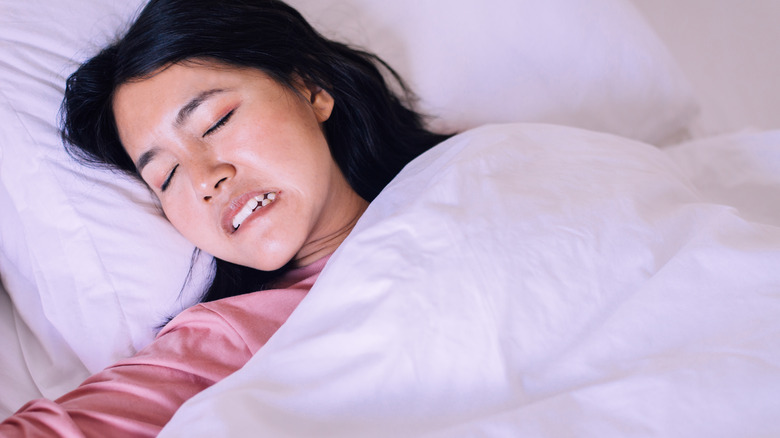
(201, 346)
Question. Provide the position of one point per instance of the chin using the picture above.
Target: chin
(270, 259)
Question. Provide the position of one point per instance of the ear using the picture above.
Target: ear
(321, 101)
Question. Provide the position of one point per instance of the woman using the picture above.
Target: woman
(264, 143)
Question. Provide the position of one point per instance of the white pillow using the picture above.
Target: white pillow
(594, 64)
(92, 267)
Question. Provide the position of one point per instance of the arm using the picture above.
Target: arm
(137, 397)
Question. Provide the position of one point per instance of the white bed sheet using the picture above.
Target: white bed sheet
(535, 280)
(14, 374)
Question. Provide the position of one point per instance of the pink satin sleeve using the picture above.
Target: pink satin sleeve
(138, 396)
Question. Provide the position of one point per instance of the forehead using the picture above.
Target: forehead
(143, 107)
(178, 81)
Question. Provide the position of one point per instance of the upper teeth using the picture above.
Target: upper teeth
(252, 205)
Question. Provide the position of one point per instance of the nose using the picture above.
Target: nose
(210, 178)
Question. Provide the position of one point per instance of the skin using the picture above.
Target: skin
(213, 135)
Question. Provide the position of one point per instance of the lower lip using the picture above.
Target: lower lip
(259, 212)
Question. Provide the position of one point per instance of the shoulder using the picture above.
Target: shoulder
(250, 319)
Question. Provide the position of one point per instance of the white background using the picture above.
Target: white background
(730, 51)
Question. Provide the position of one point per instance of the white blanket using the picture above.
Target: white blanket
(534, 280)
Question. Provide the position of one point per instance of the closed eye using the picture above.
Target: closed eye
(219, 124)
(167, 181)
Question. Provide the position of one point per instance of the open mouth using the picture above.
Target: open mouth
(251, 206)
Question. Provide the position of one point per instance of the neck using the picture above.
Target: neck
(327, 244)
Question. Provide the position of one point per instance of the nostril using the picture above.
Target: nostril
(219, 182)
(207, 198)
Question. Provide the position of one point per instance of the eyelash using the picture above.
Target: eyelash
(167, 181)
(219, 124)
(211, 130)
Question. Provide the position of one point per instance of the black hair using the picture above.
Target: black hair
(372, 131)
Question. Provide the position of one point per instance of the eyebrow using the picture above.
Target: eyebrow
(193, 104)
(145, 159)
(181, 117)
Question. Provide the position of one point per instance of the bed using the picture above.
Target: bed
(596, 254)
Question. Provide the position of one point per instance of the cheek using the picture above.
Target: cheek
(182, 216)
(292, 160)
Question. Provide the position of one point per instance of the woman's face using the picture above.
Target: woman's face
(239, 162)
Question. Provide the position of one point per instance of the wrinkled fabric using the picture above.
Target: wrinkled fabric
(198, 348)
(535, 281)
